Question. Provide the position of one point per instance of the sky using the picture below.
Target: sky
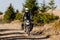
(18, 4)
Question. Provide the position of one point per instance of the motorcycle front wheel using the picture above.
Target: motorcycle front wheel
(28, 30)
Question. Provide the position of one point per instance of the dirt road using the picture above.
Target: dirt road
(12, 31)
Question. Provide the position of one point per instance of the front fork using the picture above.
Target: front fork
(27, 30)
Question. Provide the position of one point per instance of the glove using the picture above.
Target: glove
(24, 17)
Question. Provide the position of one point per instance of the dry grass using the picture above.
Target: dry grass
(52, 29)
(13, 25)
(55, 12)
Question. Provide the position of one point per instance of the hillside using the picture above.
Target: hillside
(52, 29)
(55, 12)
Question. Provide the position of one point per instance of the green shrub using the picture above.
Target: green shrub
(1, 13)
(39, 19)
(18, 16)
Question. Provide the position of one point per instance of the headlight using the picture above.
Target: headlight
(27, 22)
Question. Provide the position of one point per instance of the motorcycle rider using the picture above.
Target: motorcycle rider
(27, 15)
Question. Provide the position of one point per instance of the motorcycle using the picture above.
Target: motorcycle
(27, 26)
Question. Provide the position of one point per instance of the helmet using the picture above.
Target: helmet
(26, 9)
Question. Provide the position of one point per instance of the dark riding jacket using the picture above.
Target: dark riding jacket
(27, 15)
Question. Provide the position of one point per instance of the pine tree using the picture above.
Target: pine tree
(44, 7)
(9, 14)
(52, 5)
(32, 5)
